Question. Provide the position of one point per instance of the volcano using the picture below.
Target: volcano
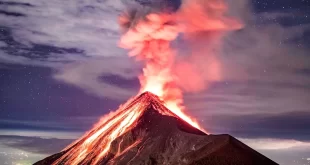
(153, 135)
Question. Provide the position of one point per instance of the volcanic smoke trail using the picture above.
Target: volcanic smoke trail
(148, 35)
(149, 40)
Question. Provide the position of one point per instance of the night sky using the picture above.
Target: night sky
(61, 70)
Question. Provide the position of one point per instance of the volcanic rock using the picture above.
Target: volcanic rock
(158, 139)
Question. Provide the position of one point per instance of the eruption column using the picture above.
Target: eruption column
(148, 36)
(149, 40)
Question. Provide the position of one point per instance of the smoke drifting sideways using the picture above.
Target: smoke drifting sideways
(203, 25)
(148, 30)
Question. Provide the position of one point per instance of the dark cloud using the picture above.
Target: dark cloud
(31, 50)
(172, 5)
(292, 125)
(15, 14)
(305, 71)
(35, 144)
(120, 81)
(6, 3)
(62, 124)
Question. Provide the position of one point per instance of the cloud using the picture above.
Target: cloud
(3, 44)
(93, 76)
(264, 53)
(61, 124)
(77, 39)
(9, 59)
(44, 134)
(35, 144)
(250, 97)
(275, 144)
(282, 151)
(32, 146)
(90, 26)
(291, 125)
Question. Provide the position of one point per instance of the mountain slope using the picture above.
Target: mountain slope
(161, 137)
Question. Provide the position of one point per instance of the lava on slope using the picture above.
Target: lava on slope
(154, 135)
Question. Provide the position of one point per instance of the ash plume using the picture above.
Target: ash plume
(149, 29)
(204, 23)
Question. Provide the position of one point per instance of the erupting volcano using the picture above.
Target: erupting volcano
(153, 128)
(144, 131)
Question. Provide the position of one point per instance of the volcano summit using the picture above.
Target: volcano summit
(144, 131)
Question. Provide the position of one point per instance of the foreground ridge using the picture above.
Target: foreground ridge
(144, 131)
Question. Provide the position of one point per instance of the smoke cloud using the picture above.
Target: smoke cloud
(200, 63)
(148, 34)
(151, 28)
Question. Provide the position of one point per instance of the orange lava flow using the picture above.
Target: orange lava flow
(95, 144)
